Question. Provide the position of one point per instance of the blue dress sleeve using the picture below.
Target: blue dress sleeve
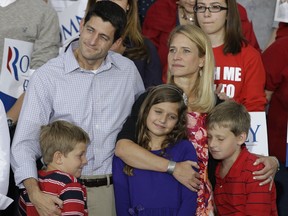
(121, 187)
(189, 198)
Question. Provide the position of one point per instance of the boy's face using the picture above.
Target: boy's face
(223, 144)
(75, 160)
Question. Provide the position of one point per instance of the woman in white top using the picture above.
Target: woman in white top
(4, 159)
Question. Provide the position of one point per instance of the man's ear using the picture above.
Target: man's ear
(57, 157)
(241, 138)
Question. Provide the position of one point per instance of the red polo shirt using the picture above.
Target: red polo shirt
(239, 194)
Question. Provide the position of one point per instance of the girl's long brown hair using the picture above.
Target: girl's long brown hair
(160, 94)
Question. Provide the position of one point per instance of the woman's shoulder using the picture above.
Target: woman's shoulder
(249, 50)
(251, 58)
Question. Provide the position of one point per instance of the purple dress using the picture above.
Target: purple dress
(154, 193)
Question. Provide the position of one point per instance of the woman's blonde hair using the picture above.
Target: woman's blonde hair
(202, 93)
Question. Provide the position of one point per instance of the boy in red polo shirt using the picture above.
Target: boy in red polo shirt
(236, 192)
(63, 146)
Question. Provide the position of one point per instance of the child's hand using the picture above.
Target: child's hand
(186, 175)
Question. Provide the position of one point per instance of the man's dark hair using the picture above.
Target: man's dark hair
(111, 12)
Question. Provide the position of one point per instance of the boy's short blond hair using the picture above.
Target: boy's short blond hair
(229, 114)
(60, 136)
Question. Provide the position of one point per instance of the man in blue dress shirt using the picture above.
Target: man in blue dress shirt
(91, 87)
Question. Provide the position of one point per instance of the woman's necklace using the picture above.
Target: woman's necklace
(189, 18)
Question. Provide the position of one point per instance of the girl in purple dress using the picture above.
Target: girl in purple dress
(161, 129)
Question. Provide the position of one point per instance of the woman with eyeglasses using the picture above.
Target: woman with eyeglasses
(239, 67)
(163, 15)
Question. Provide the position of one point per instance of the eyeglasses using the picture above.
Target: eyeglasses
(212, 9)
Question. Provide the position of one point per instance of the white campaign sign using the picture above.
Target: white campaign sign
(69, 21)
(15, 71)
(257, 141)
(281, 11)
